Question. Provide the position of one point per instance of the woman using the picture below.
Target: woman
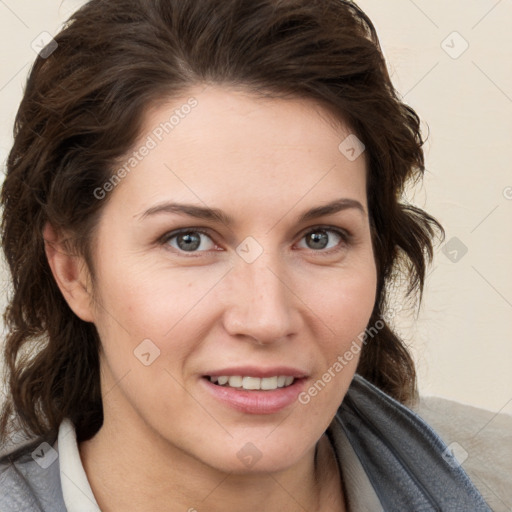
(201, 218)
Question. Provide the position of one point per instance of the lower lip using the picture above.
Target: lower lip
(256, 402)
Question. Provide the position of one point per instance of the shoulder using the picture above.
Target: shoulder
(408, 464)
(30, 478)
(481, 440)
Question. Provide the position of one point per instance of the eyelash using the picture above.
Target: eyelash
(346, 239)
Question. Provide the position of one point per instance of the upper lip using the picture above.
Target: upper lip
(255, 371)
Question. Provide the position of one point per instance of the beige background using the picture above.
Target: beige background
(461, 337)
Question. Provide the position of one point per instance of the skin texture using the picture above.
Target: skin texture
(166, 444)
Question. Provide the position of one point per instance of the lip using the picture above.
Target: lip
(253, 401)
(254, 371)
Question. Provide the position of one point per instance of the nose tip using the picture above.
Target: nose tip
(261, 306)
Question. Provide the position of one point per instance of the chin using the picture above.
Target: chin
(245, 456)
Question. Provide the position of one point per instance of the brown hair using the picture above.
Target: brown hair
(82, 110)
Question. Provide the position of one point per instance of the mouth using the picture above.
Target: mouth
(245, 391)
(250, 383)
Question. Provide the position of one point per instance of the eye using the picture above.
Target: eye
(189, 240)
(321, 239)
(324, 238)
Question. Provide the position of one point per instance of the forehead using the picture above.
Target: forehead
(230, 145)
(242, 114)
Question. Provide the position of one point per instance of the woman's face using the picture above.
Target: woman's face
(282, 289)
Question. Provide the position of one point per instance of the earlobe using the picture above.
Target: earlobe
(70, 273)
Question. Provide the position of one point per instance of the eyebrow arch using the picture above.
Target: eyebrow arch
(214, 214)
(331, 208)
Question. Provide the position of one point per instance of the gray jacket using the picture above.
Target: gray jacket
(408, 465)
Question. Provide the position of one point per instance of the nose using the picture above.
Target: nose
(261, 305)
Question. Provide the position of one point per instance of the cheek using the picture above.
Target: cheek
(345, 301)
(157, 311)
(149, 299)
(344, 309)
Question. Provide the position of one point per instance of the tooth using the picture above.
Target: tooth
(288, 381)
(269, 383)
(251, 383)
(235, 381)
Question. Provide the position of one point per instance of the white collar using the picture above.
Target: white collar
(360, 494)
(77, 492)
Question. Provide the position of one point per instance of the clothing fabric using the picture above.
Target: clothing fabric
(389, 458)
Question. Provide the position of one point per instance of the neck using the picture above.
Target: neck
(132, 470)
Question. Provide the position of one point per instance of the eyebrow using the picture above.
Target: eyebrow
(214, 214)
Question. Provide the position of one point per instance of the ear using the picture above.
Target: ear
(70, 272)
